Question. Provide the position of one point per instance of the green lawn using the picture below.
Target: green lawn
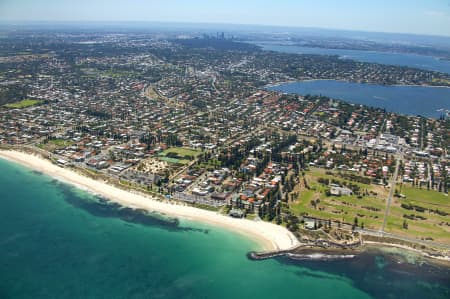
(61, 142)
(23, 104)
(181, 152)
(306, 196)
(425, 196)
(179, 155)
(346, 208)
(174, 160)
(434, 226)
(320, 173)
(51, 145)
(340, 208)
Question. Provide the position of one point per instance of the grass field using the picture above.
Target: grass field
(434, 225)
(181, 152)
(23, 104)
(174, 160)
(55, 144)
(179, 155)
(424, 196)
(61, 142)
(370, 209)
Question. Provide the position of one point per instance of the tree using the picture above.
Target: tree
(405, 224)
(278, 219)
(396, 193)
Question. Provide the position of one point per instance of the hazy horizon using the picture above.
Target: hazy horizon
(401, 17)
(231, 28)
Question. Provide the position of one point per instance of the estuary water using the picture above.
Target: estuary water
(414, 100)
(400, 59)
(57, 241)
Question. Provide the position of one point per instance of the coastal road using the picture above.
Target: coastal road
(391, 193)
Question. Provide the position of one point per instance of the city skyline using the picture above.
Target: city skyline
(413, 17)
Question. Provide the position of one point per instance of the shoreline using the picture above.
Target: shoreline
(269, 236)
(273, 240)
(271, 85)
(275, 87)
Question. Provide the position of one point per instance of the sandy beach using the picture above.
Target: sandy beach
(268, 235)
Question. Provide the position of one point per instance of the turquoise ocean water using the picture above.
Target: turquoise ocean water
(60, 242)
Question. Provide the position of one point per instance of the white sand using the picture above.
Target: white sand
(270, 236)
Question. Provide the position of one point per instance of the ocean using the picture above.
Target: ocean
(57, 241)
(413, 100)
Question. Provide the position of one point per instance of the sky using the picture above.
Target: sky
(403, 16)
